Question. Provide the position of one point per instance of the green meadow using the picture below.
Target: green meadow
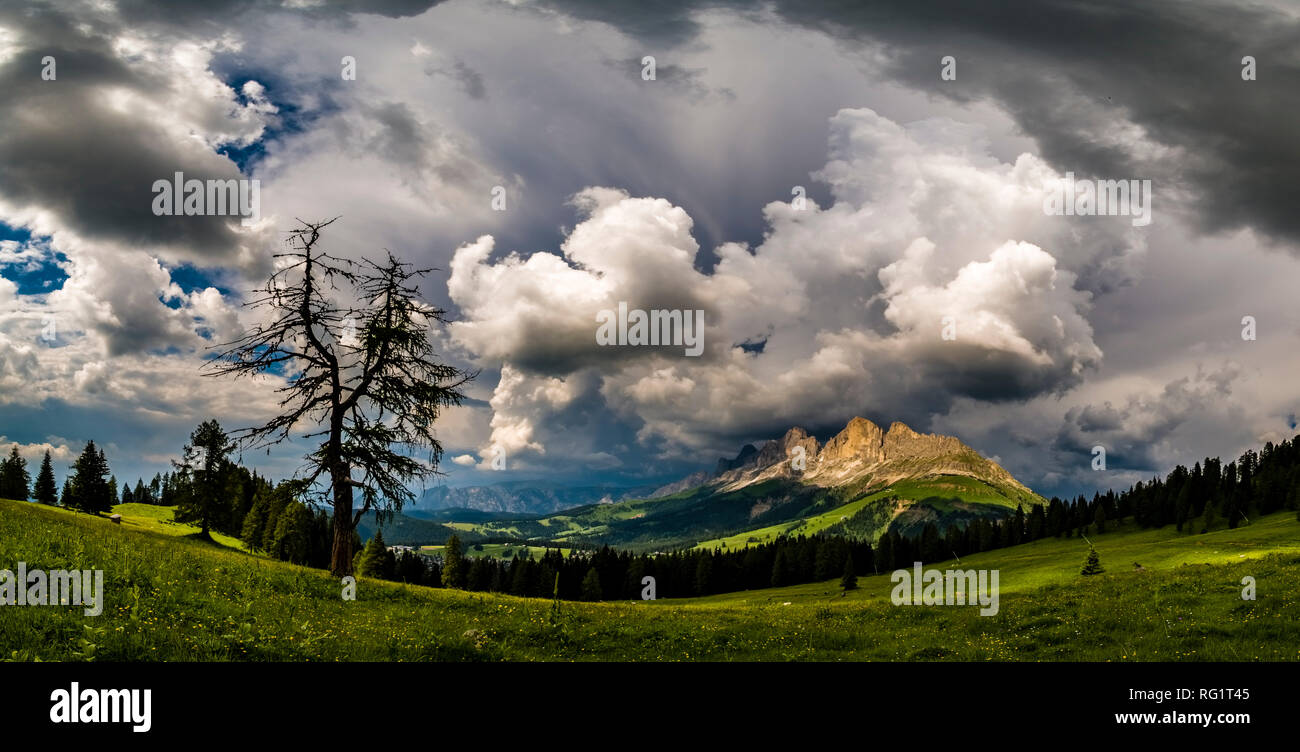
(159, 520)
(498, 550)
(1053, 562)
(171, 597)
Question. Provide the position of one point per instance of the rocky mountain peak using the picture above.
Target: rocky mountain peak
(902, 442)
(784, 447)
(747, 454)
(860, 438)
(862, 451)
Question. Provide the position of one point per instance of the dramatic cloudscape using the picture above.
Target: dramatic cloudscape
(803, 173)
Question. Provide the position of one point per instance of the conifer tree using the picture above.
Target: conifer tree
(704, 575)
(254, 526)
(850, 579)
(204, 468)
(780, 569)
(1210, 517)
(1093, 564)
(368, 384)
(376, 560)
(591, 585)
(480, 576)
(293, 533)
(89, 482)
(14, 478)
(46, 492)
(453, 564)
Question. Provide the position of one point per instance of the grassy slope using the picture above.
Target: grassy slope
(810, 525)
(936, 493)
(160, 520)
(1051, 561)
(174, 598)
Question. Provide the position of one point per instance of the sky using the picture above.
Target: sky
(854, 197)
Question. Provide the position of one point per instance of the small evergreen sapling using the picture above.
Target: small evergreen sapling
(1093, 564)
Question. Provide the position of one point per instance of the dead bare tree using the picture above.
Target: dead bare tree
(360, 376)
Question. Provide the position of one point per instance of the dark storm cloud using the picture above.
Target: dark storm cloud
(668, 22)
(1067, 71)
(188, 12)
(65, 149)
(1132, 433)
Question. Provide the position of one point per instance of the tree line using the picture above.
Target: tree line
(608, 574)
(88, 488)
(207, 488)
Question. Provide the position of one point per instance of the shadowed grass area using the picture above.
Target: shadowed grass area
(170, 598)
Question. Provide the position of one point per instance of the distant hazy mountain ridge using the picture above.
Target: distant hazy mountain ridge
(524, 497)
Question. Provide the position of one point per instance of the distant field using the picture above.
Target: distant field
(170, 597)
(505, 551)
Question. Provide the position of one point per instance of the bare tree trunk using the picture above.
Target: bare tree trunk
(341, 552)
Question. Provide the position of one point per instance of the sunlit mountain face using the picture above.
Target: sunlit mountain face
(1062, 234)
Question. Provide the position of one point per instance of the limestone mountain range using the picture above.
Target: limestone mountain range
(862, 452)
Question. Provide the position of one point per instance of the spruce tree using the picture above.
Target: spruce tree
(293, 534)
(376, 560)
(780, 569)
(704, 575)
(89, 486)
(591, 585)
(453, 564)
(255, 521)
(477, 577)
(205, 467)
(46, 492)
(410, 569)
(1093, 563)
(14, 478)
(850, 579)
